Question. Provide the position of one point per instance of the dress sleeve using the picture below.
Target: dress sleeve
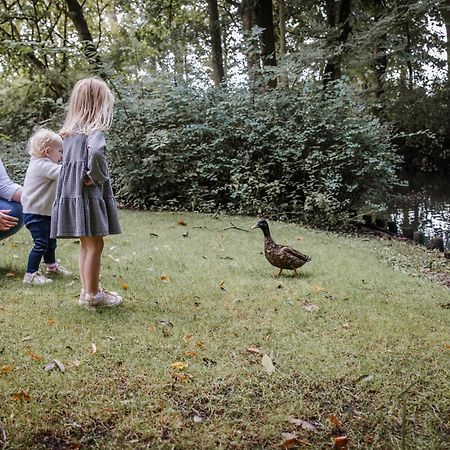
(7, 187)
(97, 166)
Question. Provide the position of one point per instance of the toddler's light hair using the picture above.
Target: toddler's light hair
(90, 107)
(41, 140)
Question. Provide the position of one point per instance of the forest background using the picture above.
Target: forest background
(300, 109)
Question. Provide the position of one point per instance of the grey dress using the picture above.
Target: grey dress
(81, 210)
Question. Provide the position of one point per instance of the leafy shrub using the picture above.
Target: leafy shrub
(310, 153)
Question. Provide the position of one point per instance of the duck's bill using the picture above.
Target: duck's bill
(254, 226)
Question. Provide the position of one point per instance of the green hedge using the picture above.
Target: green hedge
(309, 153)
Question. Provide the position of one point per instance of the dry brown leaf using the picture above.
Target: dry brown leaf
(35, 357)
(51, 322)
(335, 421)
(152, 328)
(200, 344)
(191, 353)
(186, 337)
(302, 423)
(179, 365)
(7, 368)
(184, 377)
(341, 442)
(222, 285)
(299, 238)
(22, 395)
(164, 277)
(10, 275)
(181, 222)
(346, 326)
(319, 289)
(267, 363)
(253, 350)
(93, 348)
(124, 286)
(292, 441)
(447, 345)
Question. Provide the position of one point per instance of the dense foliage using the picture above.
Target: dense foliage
(310, 152)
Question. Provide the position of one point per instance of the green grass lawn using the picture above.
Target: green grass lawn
(375, 353)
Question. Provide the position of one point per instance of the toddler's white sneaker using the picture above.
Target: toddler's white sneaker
(36, 279)
(57, 270)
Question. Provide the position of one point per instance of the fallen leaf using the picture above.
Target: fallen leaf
(51, 322)
(267, 363)
(26, 338)
(181, 222)
(164, 277)
(197, 419)
(50, 366)
(35, 357)
(200, 344)
(319, 289)
(179, 365)
(114, 259)
(302, 423)
(186, 337)
(346, 325)
(447, 345)
(165, 323)
(365, 378)
(60, 365)
(94, 348)
(341, 442)
(292, 441)
(185, 377)
(191, 353)
(253, 350)
(21, 396)
(222, 285)
(10, 275)
(299, 238)
(124, 286)
(309, 306)
(335, 421)
(75, 363)
(7, 368)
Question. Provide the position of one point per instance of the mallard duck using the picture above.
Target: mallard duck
(280, 256)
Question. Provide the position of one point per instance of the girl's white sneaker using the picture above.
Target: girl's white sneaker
(103, 299)
(36, 279)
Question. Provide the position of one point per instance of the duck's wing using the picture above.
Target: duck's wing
(291, 252)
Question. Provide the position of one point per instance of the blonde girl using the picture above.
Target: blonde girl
(85, 206)
(39, 190)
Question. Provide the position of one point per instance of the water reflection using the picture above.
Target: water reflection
(424, 206)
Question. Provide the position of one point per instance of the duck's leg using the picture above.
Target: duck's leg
(279, 273)
(295, 272)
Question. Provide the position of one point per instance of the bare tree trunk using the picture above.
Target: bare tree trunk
(380, 56)
(445, 11)
(263, 11)
(282, 26)
(216, 43)
(246, 11)
(75, 11)
(338, 15)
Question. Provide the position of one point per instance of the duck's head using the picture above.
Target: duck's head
(264, 227)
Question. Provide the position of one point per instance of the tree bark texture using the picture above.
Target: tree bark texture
(75, 11)
(338, 18)
(216, 43)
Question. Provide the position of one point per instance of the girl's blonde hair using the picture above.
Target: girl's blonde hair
(42, 140)
(90, 107)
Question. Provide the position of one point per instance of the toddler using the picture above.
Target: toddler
(39, 190)
(85, 206)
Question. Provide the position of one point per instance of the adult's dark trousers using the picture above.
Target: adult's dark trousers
(44, 246)
(15, 211)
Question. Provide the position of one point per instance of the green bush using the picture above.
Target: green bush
(307, 153)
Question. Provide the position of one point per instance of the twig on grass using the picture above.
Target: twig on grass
(234, 227)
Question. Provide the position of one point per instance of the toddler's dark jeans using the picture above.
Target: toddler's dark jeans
(44, 246)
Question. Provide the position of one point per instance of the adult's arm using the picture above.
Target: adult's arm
(8, 189)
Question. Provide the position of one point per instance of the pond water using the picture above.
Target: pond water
(423, 206)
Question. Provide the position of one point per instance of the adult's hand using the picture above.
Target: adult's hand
(7, 222)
